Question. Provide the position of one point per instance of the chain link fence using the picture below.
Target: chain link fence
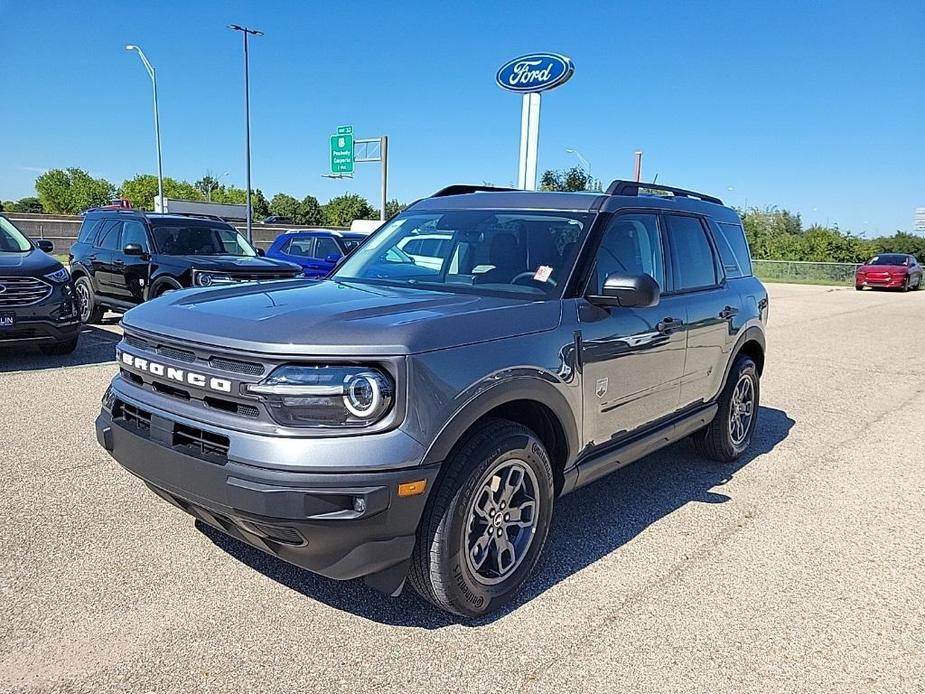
(805, 272)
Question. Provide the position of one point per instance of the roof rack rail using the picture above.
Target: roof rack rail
(194, 215)
(463, 188)
(619, 187)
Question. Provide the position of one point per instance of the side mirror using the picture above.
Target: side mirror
(627, 291)
(261, 253)
(133, 249)
(45, 245)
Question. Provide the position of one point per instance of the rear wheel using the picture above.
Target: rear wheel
(729, 434)
(485, 525)
(63, 347)
(90, 311)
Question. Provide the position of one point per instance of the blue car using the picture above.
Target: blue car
(316, 250)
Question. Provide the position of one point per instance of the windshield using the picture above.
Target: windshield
(178, 238)
(509, 252)
(12, 239)
(888, 259)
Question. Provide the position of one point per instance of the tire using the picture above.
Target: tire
(63, 347)
(859, 287)
(90, 310)
(453, 565)
(717, 440)
(907, 285)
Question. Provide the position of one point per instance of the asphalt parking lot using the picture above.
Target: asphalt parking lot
(801, 567)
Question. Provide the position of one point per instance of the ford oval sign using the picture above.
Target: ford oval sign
(536, 72)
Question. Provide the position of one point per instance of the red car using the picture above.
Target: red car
(893, 270)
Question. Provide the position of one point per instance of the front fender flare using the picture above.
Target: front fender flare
(516, 389)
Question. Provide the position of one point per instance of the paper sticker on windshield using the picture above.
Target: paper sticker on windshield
(543, 273)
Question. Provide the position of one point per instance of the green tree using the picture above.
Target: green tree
(207, 185)
(142, 189)
(310, 212)
(72, 190)
(342, 210)
(570, 180)
(393, 207)
(259, 204)
(28, 204)
(284, 206)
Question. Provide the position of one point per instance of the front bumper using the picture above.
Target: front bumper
(340, 525)
(888, 282)
(54, 319)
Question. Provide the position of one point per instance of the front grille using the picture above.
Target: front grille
(132, 416)
(241, 367)
(201, 443)
(178, 354)
(138, 342)
(22, 291)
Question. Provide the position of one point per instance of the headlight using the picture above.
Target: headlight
(207, 279)
(325, 396)
(59, 276)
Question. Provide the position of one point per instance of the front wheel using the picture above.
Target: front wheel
(486, 523)
(730, 433)
(90, 311)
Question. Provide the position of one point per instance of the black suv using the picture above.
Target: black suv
(38, 304)
(124, 257)
(418, 419)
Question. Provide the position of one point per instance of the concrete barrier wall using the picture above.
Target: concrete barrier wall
(62, 230)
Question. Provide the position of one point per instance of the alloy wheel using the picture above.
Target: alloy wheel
(741, 410)
(502, 521)
(83, 295)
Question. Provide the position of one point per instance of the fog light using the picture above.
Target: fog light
(359, 504)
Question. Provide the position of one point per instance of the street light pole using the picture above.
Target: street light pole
(581, 160)
(157, 123)
(246, 31)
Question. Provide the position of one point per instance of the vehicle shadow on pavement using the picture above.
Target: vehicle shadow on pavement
(587, 525)
(97, 345)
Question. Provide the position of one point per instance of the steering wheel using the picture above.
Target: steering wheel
(529, 276)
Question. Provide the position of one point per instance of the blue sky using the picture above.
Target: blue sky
(818, 107)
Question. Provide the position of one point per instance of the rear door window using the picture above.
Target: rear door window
(733, 249)
(300, 247)
(692, 262)
(88, 231)
(109, 235)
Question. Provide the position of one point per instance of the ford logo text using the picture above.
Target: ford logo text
(536, 72)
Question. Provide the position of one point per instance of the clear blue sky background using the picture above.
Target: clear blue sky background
(818, 107)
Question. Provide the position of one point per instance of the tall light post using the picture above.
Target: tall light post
(246, 31)
(581, 160)
(157, 122)
(217, 184)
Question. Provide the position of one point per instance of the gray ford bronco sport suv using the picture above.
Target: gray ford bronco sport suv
(417, 417)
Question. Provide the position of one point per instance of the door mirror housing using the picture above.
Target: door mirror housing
(133, 249)
(45, 245)
(627, 291)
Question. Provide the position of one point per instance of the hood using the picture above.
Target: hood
(232, 263)
(337, 318)
(34, 263)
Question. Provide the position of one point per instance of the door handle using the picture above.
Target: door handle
(91, 257)
(667, 325)
(728, 312)
(118, 261)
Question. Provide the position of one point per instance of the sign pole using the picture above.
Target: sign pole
(384, 153)
(533, 139)
(524, 132)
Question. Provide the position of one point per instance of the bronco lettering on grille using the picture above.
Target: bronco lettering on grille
(171, 373)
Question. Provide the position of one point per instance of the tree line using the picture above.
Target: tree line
(775, 234)
(73, 190)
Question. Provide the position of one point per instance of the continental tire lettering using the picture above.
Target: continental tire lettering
(471, 598)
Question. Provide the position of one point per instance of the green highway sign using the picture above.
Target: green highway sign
(345, 130)
(342, 151)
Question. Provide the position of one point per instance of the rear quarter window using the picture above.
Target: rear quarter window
(733, 249)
